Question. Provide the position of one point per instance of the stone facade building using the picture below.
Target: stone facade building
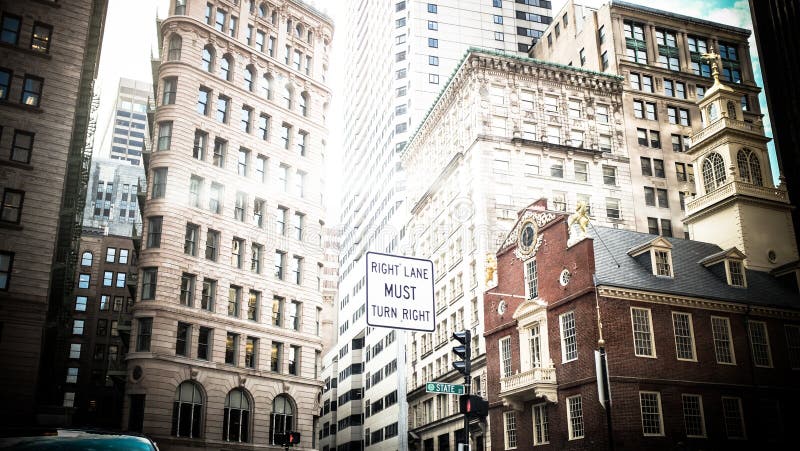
(226, 346)
(702, 352)
(504, 129)
(398, 55)
(660, 56)
(49, 53)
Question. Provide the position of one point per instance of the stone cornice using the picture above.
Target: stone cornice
(695, 302)
(477, 63)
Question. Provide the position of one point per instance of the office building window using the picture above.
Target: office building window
(231, 348)
(10, 29)
(635, 44)
(145, 330)
(11, 208)
(32, 90)
(183, 335)
(21, 146)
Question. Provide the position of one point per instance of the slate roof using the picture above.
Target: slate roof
(691, 278)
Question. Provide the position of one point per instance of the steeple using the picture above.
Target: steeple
(737, 204)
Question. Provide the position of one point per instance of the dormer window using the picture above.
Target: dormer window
(732, 260)
(656, 255)
(663, 262)
(735, 271)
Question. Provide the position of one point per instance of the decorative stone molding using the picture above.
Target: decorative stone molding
(693, 302)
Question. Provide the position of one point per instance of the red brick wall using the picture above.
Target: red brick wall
(630, 374)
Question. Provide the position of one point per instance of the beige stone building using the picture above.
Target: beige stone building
(505, 131)
(48, 60)
(660, 55)
(226, 345)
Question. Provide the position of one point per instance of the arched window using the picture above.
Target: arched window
(712, 112)
(299, 30)
(287, 96)
(262, 10)
(310, 35)
(174, 51)
(86, 259)
(713, 172)
(303, 103)
(187, 411)
(225, 67)
(267, 86)
(749, 167)
(236, 420)
(731, 110)
(208, 58)
(249, 76)
(281, 419)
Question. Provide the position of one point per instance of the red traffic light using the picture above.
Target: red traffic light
(473, 406)
(294, 438)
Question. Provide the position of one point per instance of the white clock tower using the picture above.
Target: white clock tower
(737, 204)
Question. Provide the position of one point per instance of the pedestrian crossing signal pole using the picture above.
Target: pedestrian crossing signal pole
(464, 351)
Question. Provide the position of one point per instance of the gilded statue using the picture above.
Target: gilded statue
(581, 216)
(491, 267)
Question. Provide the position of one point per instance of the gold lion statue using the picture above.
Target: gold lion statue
(581, 216)
(491, 267)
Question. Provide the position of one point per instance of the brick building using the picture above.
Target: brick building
(702, 353)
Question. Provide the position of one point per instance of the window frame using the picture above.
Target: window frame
(28, 93)
(650, 333)
(692, 342)
(570, 420)
(660, 413)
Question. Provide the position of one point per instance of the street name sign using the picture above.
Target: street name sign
(400, 292)
(439, 387)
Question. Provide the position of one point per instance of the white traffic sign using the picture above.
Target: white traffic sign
(400, 292)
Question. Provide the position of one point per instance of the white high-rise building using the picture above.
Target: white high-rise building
(398, 57)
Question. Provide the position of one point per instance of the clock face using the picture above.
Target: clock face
(501, 307)
(527, 237)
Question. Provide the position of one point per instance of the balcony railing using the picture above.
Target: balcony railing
(534, 383)
(726, 122)
(732, 188)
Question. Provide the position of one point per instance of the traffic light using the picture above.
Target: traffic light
(473, 406)
(463, 350)
(288, 439)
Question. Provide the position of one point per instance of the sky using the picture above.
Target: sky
(131, 35)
